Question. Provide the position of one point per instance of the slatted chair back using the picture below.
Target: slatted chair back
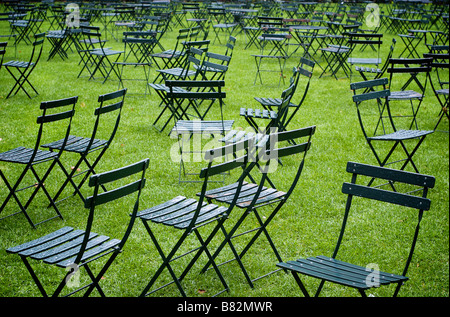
(372, 107)
(49, 119)
(108, 115)
(113, 179)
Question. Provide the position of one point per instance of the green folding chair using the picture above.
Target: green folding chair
(367, 277)
(72, 249)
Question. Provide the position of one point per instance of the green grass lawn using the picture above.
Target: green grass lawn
(307, 225)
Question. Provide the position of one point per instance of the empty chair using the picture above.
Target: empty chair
(258, 200)
(73, 249)
(21, 70)
(91, 149)
(305, 69)
(379, 128)
(357, 42)
(375, 72)
(440, 84)
(103, 58)
(185, 217)
(138, 45)
(273, 43)
(190, 101)
(53, 113)
(408, 78)
(368, 275)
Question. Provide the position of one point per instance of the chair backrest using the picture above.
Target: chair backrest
(38, 45)
(283, 108)
(291, 147)
(114, 178)
(216, 65)
(2, 52)
(107, 116)
(441, 66)
(270, 22)
(92, 37)
(409, 198)
(54, 113)
(372, 106)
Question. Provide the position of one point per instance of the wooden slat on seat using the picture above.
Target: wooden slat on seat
(340, 272)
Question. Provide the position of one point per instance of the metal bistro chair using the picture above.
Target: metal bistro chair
(107, 118)
(408, 78)
(305, 69)
(273, 119)
(182, 216)
(256, 199)
(138, 45)
(186, 98)
(21, 70)
(53, 113)
(373, 108)
(330, 269)
(440, 84)
(71, 249)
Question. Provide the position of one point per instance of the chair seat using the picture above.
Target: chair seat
(19, 64)
(225, 25)
(406, 94)
(257, 113)
(105, 52)
(442, 91)
(272, 56)
(167, 54)
(355, 60)
(61, 247)
(177, 71)
(340, 272)
(188, 126)
(226, 194)
(23, 155)
(162, 87)
(76, 144)
(272, 102)
(179, 211)
(401, 135)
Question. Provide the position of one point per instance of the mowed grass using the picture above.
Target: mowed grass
(307, 225)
